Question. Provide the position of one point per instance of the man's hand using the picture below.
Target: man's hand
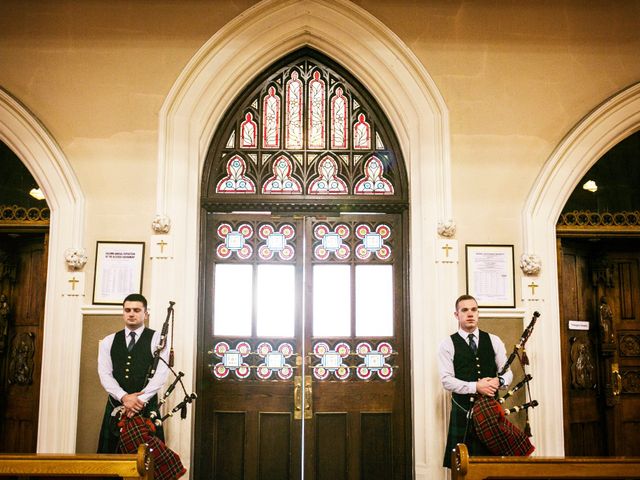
(488, 386)
(132, 403)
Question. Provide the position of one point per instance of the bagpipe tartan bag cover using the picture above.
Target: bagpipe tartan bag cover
(499, 435)
(137, 430)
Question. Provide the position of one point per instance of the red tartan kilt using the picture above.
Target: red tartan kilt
(137, 430)
(499, 435)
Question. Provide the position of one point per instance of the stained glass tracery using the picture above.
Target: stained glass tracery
(307, 131)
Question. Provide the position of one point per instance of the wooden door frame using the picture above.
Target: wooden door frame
(592, 226)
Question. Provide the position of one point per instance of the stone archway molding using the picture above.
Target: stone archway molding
(612, 121)
(377, 57)
(21, 131)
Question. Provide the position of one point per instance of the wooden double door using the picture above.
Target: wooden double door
(303, 364)
(23, 274)
(600, 335)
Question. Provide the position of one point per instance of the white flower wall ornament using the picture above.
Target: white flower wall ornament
(161, 224)
(530, 264)
(447, 229)
(76, 258)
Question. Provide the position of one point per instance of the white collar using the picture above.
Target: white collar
(137, 331)
(464, 334)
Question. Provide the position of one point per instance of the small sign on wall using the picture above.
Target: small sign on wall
(578, 325)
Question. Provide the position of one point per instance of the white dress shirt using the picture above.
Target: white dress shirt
(445, 363)
(105, 367)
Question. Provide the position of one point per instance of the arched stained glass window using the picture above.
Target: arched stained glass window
(305, 130)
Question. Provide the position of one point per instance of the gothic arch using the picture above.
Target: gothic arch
(355, 39)
(612, 121)
(21, 131)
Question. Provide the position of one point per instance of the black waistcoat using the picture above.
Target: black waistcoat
(470, 367)
(130, 368)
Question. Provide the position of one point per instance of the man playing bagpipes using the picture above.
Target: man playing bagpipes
(469, 361)
(133, 366)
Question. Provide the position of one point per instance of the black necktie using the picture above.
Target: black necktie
(472, 343)
(132, 341)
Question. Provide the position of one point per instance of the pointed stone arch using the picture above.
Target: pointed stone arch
(608, 124)
(21, 131)
(408, 96)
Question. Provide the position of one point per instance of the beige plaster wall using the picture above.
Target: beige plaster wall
(92, 396)
(516, 77)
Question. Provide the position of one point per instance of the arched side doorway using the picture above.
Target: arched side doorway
(38, 151)
(599, 273)
(304, 340)
(24, 231)
(190, 116)
(604, 127)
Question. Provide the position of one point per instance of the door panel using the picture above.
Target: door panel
(600, 284)
(23, 273)
(584, 420)
(321, 397)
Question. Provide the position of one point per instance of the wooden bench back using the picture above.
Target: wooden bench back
(464, 467)
(127, 466)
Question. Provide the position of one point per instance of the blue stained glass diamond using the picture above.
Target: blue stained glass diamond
(331, 360)
(232, 359)
(234, 241)
(374, 360)
(372, 242)
(331, 242)
(276, 242)
(274, 360)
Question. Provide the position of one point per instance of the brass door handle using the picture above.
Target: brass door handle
(297, 397)
(616, 379)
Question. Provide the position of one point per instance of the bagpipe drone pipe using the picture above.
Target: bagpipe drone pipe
(489, 415)
(142, 429)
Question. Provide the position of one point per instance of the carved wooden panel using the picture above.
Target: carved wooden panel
(629, 344)
(630, 381)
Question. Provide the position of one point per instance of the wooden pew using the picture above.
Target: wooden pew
(464, 467)
(127, 466)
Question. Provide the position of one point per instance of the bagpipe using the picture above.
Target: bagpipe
(489, 415)
(142, 429)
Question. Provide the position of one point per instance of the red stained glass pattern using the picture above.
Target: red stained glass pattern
(328, 181)
(362, 134)
(248, 132)
(373, 182)
(331, 241)
(373, 241)
(282, 181)
(339, 119)
(294, 105)
(331, 361)
(330, 139)
(236, 181)
(271, 119)
(234, 241)
(276, 241)
(316, 111)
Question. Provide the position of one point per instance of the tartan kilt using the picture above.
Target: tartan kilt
(137, 430)
(110, 430)
(499, 435)
(457, 427)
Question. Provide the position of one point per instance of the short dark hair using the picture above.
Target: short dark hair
(135, 297)
(465, 297)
